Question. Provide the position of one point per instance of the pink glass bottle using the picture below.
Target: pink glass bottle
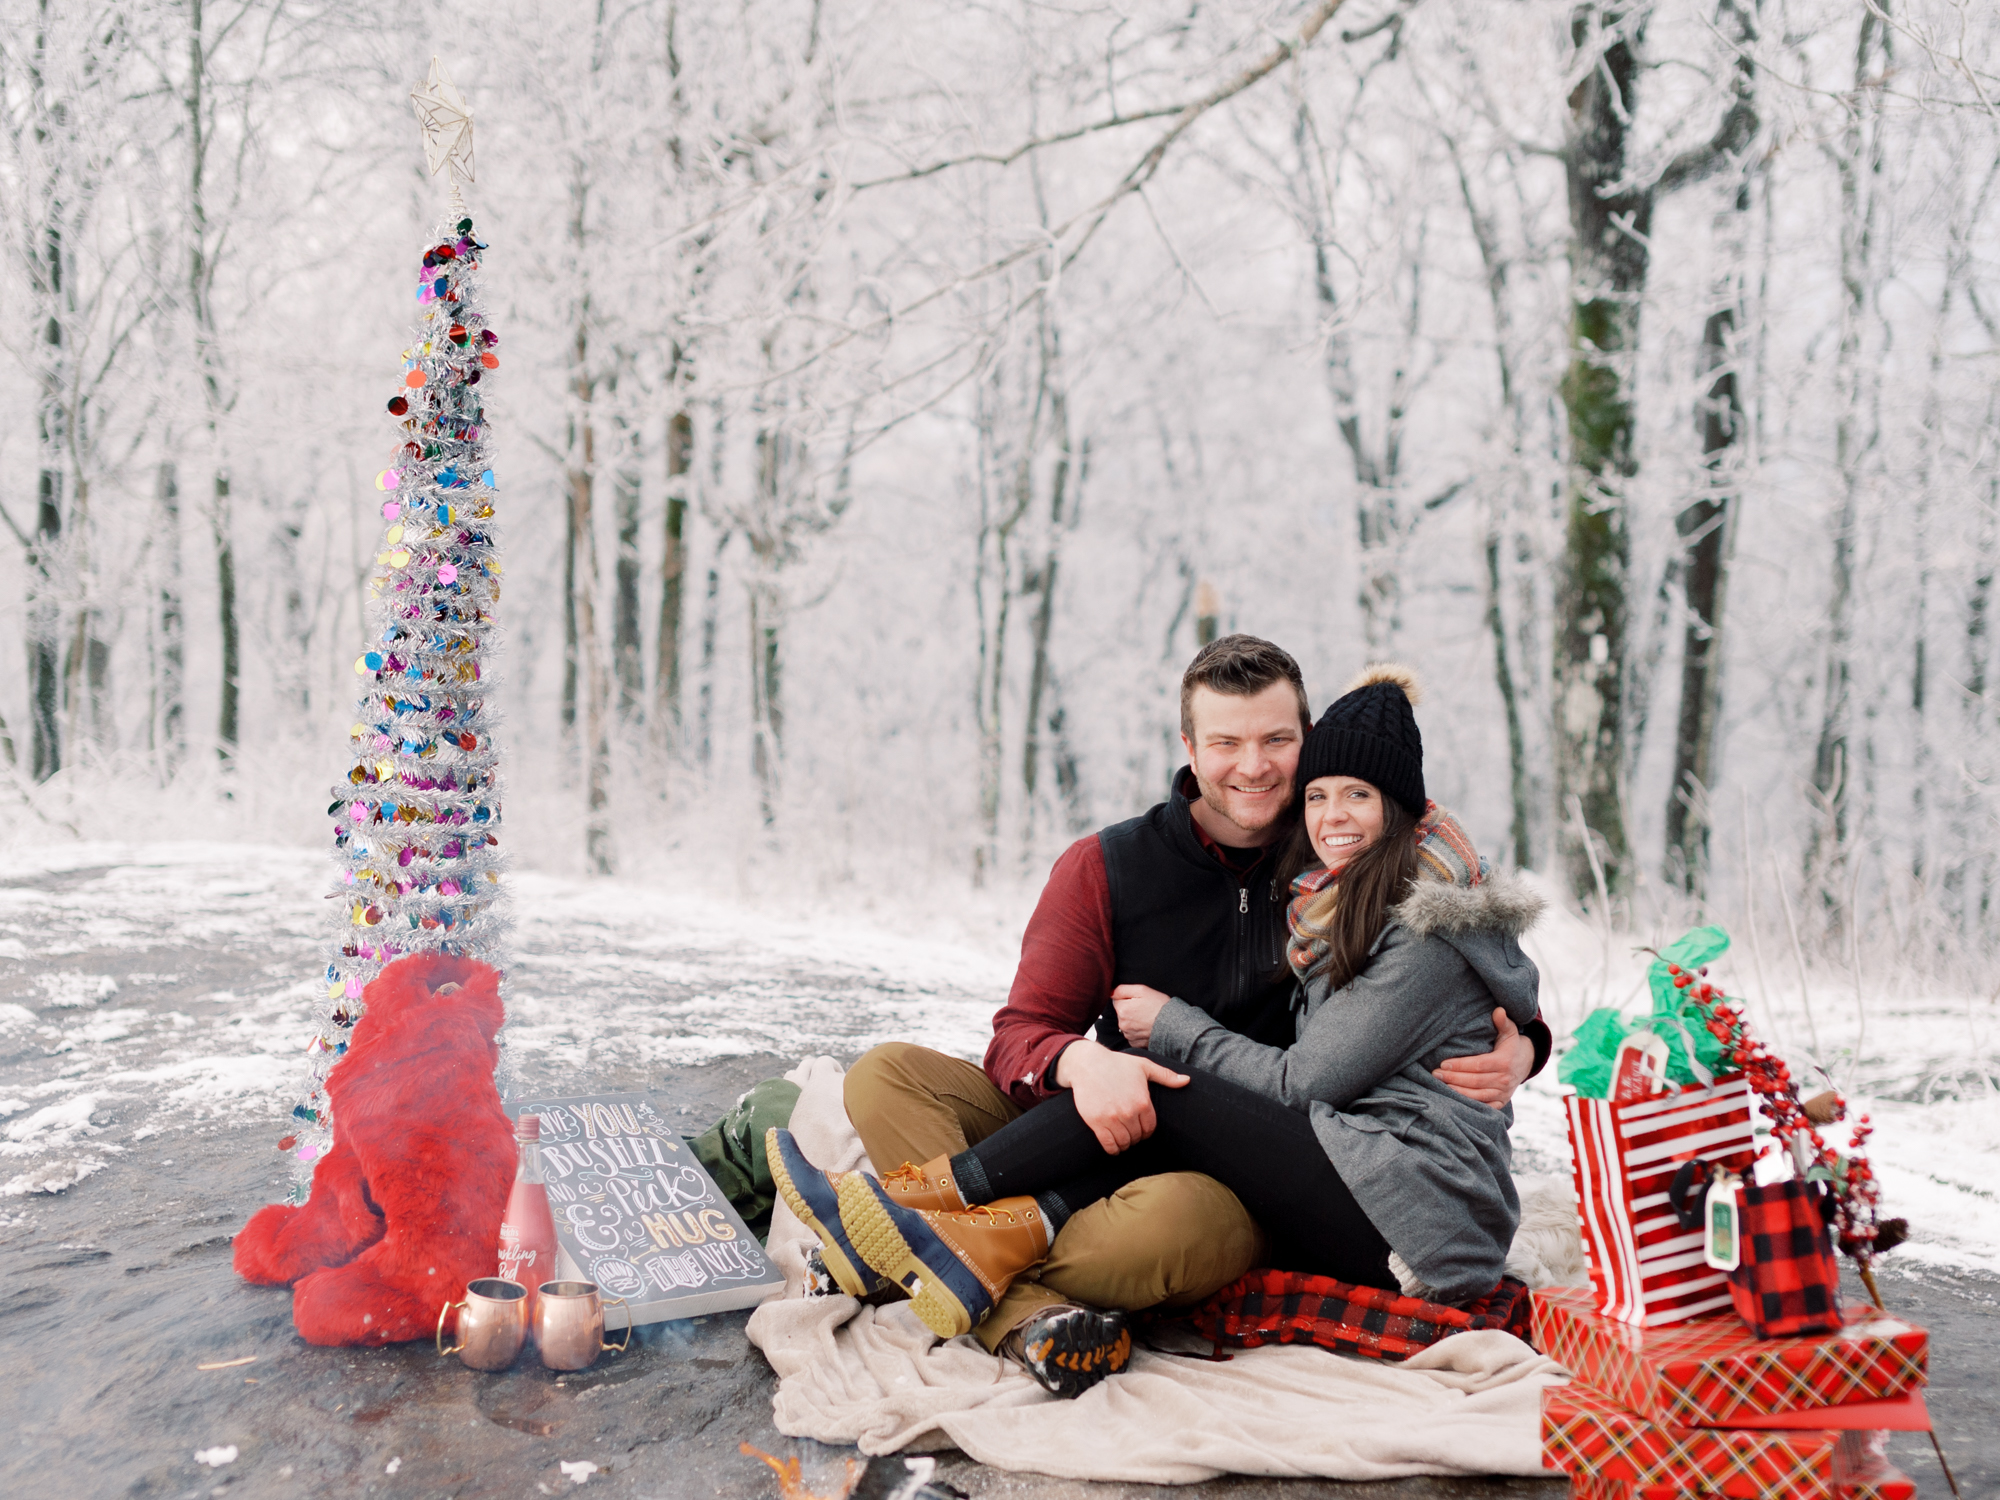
(528, 1229)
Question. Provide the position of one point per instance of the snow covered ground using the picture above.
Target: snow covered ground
(149, 989)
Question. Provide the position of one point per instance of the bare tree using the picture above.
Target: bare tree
(1706, 525)
(1858, 156)
(1611, 205)
(666, 721)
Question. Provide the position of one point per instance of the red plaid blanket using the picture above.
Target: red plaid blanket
(1287, 1307)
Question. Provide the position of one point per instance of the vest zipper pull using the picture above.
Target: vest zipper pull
(1243, 901)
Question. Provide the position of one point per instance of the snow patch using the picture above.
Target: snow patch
(110, 1026)
(15, 1018)
(50, 1127)
(72, 991)
(215, 1458)
(52, 1176)
(13, 948)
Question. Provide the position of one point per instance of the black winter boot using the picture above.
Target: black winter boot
(1068, 1348)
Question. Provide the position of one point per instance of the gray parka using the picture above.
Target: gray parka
(1431, 1168)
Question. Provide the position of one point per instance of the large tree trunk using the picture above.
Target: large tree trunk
(767, 717)
(1609, 222)
(43, 612)
(595, 679)
(1378, 519)
(1706, 527)
(673, 575)
(1040, 584)
(1006, 485)
(1971, 881)
(711, 611)
(227, 725)
(87, 661)
(1858, 162)
(43, 622)
(170, 683)
(570, 545)
(586, 672)
(627, 656)
(208, 360)
(1500, 507)
(582, 575)
(1503, 678)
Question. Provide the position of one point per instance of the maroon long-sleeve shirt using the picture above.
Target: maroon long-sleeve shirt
(1064, 979)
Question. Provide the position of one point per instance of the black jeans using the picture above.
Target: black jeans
(1263, 1152)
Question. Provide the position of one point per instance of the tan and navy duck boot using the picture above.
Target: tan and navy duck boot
(954, 1264)
(813, 1194)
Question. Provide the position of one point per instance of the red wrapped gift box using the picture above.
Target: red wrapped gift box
(1878, 1480)
(1714, 1372)
(1595, 1440)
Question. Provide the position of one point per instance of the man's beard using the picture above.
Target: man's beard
(1213, 797)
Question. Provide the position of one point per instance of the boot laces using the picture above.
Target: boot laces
(909, 1174)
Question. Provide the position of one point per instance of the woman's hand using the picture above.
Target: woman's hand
(1137, 1006)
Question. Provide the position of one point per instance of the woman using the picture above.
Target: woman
(1344, 1146)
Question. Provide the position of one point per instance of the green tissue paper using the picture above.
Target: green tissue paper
(1675, 1017)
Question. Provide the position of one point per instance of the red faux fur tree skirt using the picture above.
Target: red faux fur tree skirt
(406, 1207)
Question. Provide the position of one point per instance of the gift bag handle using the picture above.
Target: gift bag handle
(1685, 1193)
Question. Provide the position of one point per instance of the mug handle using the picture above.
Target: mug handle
(621, 1348)
(443, 1313)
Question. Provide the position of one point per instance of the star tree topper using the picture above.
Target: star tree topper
(447, 126)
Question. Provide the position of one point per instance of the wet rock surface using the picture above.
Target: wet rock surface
(151, 1010)
(123, 1289)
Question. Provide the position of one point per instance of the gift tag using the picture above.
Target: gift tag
(1721, 1241)
(1639, 1067)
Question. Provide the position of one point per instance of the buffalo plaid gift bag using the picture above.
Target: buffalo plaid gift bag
(1788, 1281)
(1645, 1266)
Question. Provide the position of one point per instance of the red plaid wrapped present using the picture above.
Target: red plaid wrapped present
(1788, 1282)
(1289, 1307)
(1715, 1373)
(1589, 1436)
(1876, 1479)
(1646, 1268)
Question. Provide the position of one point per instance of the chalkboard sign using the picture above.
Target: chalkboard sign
(636, 1213)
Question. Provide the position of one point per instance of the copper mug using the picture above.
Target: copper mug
(492, 1323)
(569, 1324)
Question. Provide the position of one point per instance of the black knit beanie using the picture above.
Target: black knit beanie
(1370, 733)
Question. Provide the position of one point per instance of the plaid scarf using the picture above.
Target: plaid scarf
(1444, 852)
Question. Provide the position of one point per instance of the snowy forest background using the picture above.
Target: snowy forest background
(894, 394)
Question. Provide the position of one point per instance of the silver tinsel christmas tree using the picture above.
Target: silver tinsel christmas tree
(415, 824)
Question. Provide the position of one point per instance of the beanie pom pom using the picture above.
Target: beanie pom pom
(1391, 671)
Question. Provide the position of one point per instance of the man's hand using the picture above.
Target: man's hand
(1492, 1077)
(1138, 1005)
(1111, 1093)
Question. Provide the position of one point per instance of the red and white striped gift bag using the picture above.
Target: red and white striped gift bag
(1645, 1267)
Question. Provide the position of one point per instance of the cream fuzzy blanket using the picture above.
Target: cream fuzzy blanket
(877, 1378)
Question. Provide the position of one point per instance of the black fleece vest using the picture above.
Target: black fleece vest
(1185, 924)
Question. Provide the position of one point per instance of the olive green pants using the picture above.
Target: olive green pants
(1172, 1239)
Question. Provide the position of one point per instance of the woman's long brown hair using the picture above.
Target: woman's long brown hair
(1350, 913)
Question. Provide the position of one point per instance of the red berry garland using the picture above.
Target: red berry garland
(1857, 1195)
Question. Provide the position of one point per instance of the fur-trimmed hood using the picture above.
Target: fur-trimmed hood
(1483, 921)
(1501, 904)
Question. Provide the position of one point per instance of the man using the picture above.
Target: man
(1185, 898)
